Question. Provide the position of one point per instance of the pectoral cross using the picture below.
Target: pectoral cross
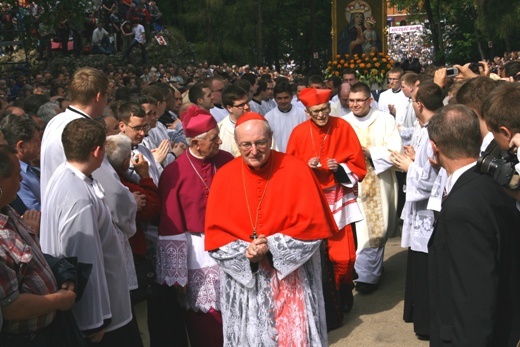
(253, 235)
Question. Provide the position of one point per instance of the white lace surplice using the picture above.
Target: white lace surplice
(195, 270)
(417, 219)
(280, 306)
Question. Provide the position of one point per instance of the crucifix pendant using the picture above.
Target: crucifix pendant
(253, 235)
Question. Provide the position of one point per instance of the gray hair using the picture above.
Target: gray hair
(48, 111)
(189, 140)
(118, 149)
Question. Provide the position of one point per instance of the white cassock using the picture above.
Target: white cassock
(417, 219)
(219, 113)
(271, 104)
(405, 118)
(154, 168)
(227, 136)
(123, 209)
(257, 107)
(283, 123)
(76, 222)
(377, 132)
(155, 137)
(337, 110)
(297, 103)
(52, 154)
(123, 212)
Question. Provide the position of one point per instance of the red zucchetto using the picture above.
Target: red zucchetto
(249, 116)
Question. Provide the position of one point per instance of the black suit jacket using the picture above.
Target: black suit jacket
(474, 266)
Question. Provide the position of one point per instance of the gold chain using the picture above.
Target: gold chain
(254, 235)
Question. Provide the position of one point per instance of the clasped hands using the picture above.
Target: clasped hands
(401, 161)
(257, 249)
(332, 164)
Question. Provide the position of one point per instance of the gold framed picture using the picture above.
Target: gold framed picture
(358, 26)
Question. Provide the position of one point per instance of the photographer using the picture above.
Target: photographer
(473, 251)
(500, 112)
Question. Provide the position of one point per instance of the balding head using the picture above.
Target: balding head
(344, 91)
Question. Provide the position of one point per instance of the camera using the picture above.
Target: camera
(501, 166)
(452, 71)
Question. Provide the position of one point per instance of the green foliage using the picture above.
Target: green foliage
(230, 31)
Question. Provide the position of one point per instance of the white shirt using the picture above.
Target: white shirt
(138, 32)
(486, 141)
(452, 179)
(97, 35)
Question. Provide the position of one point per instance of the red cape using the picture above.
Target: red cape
(341, 143)
(293, 205)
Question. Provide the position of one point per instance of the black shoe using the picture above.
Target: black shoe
(347, 298)
(365, 288)
(423, 337)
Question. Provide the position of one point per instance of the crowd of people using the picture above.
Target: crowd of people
(258, 201)
(410, 45)
(109, 26)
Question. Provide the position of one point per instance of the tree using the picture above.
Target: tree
(499, 21)
(250, 31)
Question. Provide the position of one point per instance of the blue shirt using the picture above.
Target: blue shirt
(30, 187)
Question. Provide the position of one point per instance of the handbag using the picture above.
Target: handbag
(146, 280)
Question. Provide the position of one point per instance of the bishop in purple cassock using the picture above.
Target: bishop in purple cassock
(182, 261)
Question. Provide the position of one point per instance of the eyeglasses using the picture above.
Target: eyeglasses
(143, 128)
(316, 113)
(242, 105)
(357, 101)
(260, 144)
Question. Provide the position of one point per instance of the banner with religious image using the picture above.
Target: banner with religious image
(358, 27)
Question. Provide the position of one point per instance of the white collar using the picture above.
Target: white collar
(452, 179)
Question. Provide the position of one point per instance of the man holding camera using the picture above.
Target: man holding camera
(474, 250)
(500, 113)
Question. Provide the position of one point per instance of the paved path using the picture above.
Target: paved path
(377, 319)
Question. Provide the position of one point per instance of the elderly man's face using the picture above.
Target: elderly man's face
(319, 114)
(208, 146)
(254, 143)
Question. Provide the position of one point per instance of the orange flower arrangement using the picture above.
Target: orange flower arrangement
(371, 68)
